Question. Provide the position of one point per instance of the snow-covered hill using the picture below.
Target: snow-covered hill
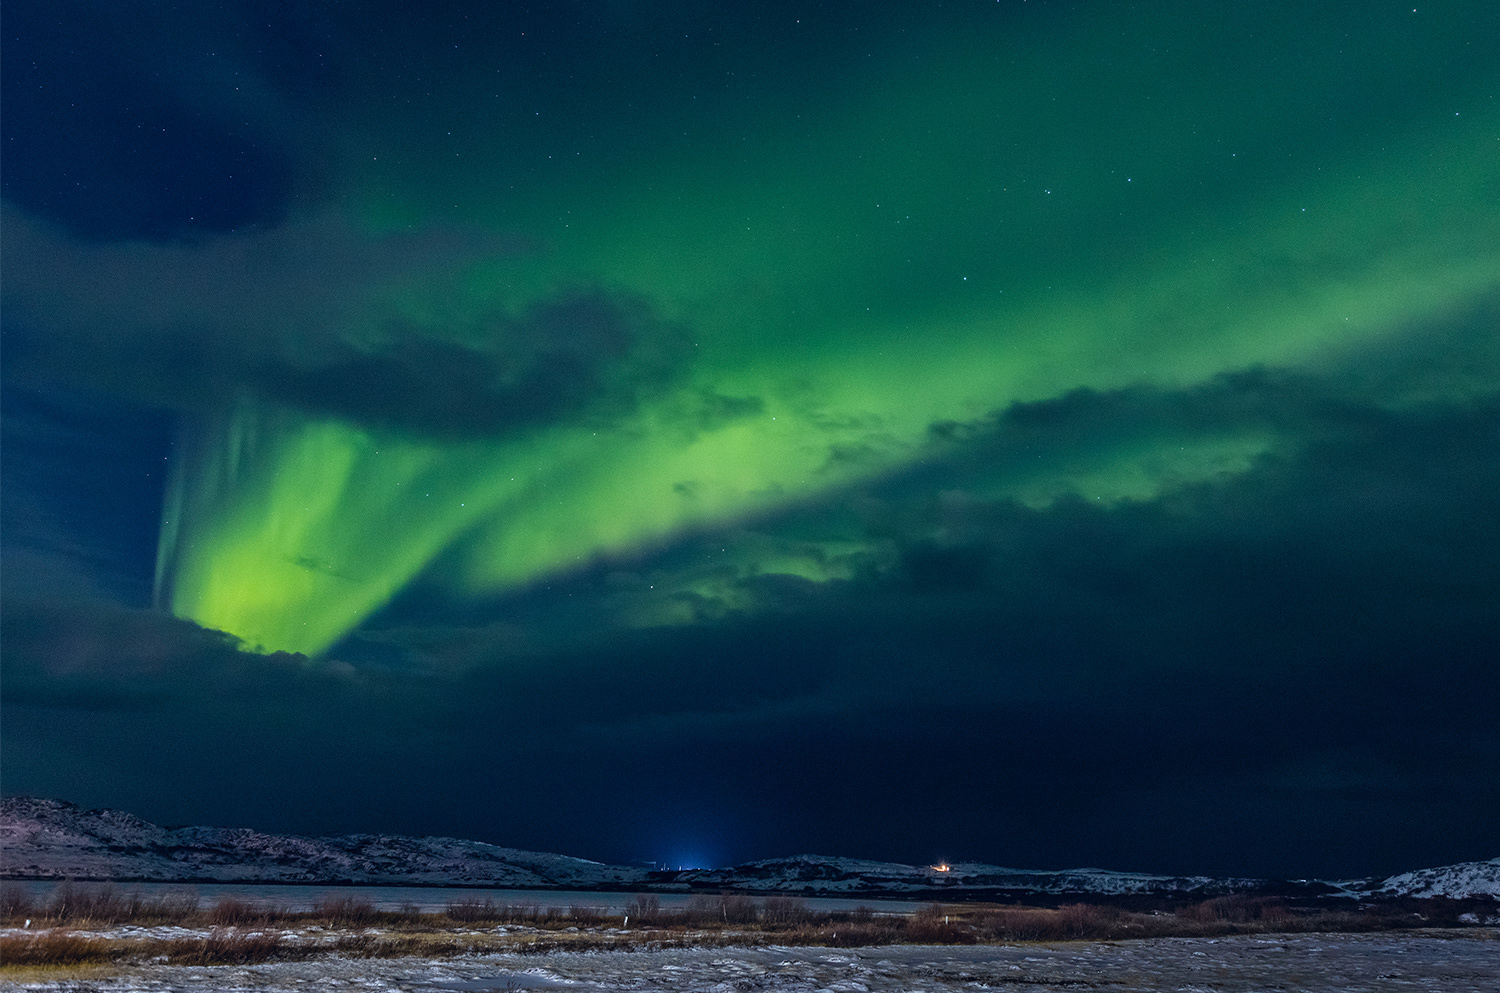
(1462, 881)
(51, 839)
(820, 874)
(42, 839)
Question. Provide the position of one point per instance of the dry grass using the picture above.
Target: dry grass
(229, 947)
(1237, 908)
(53, 948)
(781, 923)
(369, 946)
(240, 931)
(232, 912)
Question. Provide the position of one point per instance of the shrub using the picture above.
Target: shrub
(86, 903)
(787, 910)
(1022, 924)
(348, 910)
(15, 901)
(586, 916)
(737, 909)
(1080, 920)
(103, 904)
(231, 911)
(644, 908)
(1274, 912)
(938, 931)
(727, 908)
(407, 913)
(168, 908)
(472, 909)
(1238, 908)
(698, 910)
(520, 913)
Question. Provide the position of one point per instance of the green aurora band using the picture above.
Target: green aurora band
(933, 250)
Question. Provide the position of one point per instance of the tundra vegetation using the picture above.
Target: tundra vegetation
(87, 925)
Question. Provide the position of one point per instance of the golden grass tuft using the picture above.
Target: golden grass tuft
(54, 948)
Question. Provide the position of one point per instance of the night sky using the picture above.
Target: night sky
(1039, 433)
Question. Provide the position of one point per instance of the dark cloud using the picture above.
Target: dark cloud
(298, 316)
(97, 655)
(1284, 671)
(1299, 652)
(169, 242)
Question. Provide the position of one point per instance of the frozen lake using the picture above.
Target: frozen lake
(429, 899)
(1464, 962)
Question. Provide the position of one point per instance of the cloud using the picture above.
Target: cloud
(994, 501)
(1361, 539)
(1299, 650)
(93, 654)
(307, 315)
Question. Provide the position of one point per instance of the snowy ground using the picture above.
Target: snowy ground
(1451, 963)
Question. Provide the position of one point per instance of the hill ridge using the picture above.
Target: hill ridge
(53, 839)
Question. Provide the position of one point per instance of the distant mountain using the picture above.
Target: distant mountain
(1459, 882)
(823, 874)
(51, 839)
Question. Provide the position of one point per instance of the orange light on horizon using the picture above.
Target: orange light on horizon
(940, 867)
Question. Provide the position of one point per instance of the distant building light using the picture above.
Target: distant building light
(941, 867)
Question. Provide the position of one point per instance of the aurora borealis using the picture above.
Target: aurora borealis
(500, 383)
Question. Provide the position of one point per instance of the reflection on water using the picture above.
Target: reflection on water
(432, 899)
